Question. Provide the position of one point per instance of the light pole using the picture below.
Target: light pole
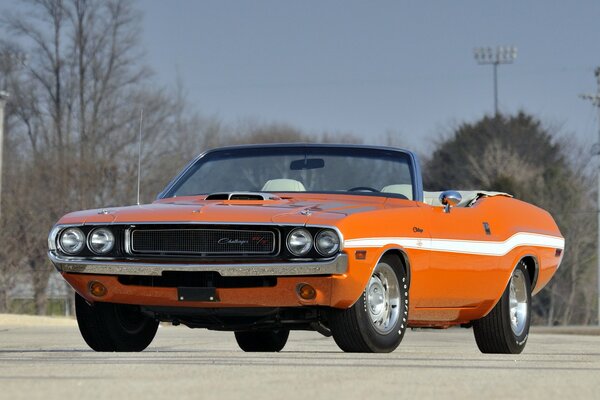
(3, 98)
(495, 57)
(595, 99)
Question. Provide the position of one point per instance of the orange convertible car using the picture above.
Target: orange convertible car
(339, 239)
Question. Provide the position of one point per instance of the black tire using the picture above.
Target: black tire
(355, 331)
(114, 327)
(262, 341)
(495, 333)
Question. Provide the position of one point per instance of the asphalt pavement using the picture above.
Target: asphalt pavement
(47, 359)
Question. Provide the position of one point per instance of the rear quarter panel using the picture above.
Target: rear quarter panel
(457, 270)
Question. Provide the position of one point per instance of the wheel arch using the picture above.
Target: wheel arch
(533, 268)
(532, 264)
(402, 257)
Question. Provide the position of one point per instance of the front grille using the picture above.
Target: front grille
(201, 241)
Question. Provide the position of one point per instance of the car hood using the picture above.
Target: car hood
(299, 209)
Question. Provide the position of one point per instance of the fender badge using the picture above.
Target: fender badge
(486, 227)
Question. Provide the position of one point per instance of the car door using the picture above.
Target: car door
(459, 261)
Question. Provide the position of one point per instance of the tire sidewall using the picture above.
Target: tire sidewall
(514, 342)
(375, 340)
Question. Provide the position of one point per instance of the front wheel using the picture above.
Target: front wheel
(506, 328)
(114, 327)
(377, 321)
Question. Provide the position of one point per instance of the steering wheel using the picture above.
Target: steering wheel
(362, 189)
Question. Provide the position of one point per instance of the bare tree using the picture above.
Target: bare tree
(516, 154)
(77, 104)
(73, 123)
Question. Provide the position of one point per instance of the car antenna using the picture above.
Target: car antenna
(140, 156)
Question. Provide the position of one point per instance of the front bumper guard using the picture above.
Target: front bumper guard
(338, 265)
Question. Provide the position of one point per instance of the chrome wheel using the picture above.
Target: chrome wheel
(518, 302)
(383, 299)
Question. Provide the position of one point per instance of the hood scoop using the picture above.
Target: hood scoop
(252, 196)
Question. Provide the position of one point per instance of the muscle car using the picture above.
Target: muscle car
(337, 239)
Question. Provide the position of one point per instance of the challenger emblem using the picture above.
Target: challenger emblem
(257, 240)
(232, 241)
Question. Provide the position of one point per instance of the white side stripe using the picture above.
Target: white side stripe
(488, 248)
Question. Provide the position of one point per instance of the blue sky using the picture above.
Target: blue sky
(373, 67)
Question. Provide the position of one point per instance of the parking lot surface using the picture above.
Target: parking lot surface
(46, 358)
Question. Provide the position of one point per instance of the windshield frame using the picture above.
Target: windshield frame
(372, 151)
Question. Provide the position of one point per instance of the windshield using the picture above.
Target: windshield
(298, 169)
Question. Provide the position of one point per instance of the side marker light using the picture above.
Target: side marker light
(97, 289)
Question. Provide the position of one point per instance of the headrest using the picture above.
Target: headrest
(283, 185)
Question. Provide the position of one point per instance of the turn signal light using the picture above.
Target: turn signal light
(306, 292)
(97, 289)
(558, 253)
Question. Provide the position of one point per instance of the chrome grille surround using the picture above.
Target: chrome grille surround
(201, 241)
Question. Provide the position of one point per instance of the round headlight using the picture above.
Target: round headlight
(72, 240)
(101, 241)
(299, 242)
(327, 242)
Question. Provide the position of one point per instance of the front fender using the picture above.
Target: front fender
(347, 288)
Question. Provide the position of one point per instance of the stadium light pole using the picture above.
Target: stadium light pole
(595, 99)
(495, 57)
(3, 98)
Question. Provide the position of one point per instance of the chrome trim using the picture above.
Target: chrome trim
(127, 240)
(53, 237)
(133, 225)
(337, 265)
(134, 251)
(449, 199)
(415, 167)
(263, 196)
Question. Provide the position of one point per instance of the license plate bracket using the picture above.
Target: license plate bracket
(197, 294)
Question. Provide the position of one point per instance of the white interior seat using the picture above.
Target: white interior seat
(404, 189)
(283, 185)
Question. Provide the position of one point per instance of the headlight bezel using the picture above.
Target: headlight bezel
(55, 245)
(332, 233)
(108, 233)
(314, 253)
(306, 248)
(82, 242)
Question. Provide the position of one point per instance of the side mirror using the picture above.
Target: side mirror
(450, 198)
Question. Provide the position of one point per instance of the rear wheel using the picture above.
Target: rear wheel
(114, 327)
(506, 328)
(377, 321)
(263, 340)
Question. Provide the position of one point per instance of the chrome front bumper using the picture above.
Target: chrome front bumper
(338, 265)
